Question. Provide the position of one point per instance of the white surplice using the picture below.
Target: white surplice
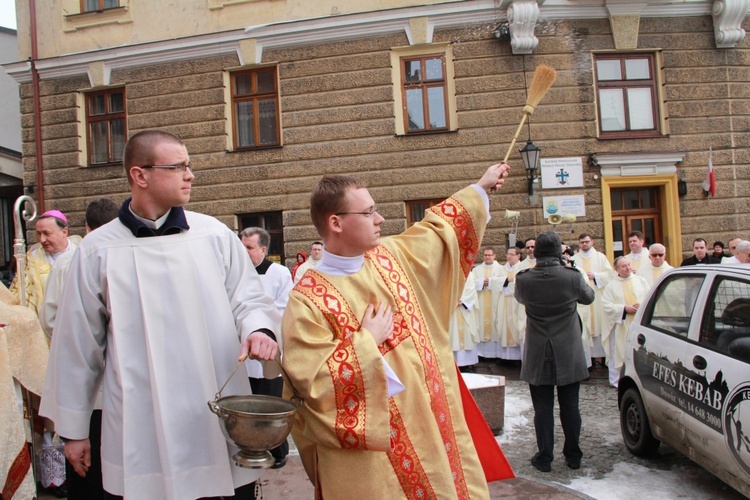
(168, 313)
(486, 298)
(597, 263)
(463, 326)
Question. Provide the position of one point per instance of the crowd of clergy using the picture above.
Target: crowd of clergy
(490, 323)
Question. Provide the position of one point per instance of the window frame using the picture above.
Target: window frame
(101, 6)
(429, 202)
(708, 317)
(424, 85)
(254, 97)
(653, 83)
(105, 117)
(647, 320)
(266, 220)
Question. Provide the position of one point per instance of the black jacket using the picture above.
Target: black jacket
(553, 353)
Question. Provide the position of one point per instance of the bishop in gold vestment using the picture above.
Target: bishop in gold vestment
(357, 440)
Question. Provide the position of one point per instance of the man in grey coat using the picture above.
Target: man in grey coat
(553, 354)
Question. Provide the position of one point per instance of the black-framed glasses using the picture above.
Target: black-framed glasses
(368, 213)
(180, 167)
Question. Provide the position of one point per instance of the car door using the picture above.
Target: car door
(718, 388)
(662, 351)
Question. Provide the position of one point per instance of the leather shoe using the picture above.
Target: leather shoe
(541, 467)
(574, 464)
(279, 463)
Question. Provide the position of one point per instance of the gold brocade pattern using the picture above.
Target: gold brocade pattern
(460, 219)
(405, 463)
(627, 288)
(402, 291)
(486, 298)
(344, 366)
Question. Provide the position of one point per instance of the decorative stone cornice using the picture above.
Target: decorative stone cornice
(522, 19)
(525, 13)
(630, 164)
(728, 16)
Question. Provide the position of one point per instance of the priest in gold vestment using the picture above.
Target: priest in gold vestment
(652, 270)
(484, 274)
(367, 348)
(52, 230)
(621, 299)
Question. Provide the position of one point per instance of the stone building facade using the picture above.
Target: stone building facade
(339, 103)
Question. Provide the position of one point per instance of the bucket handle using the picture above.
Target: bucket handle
(295, 397)
(242, 360)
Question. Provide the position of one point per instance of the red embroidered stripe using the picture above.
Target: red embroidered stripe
(456, 214)
(404, 460)
(16, 473)
(343, 365)
(403, 293)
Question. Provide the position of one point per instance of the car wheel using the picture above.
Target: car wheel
(636, 431)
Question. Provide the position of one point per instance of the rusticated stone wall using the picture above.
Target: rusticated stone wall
(337, 116)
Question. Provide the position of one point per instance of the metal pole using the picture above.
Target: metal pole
(19, 251)
(19, 244)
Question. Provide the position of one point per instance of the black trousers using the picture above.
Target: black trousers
(246, 492)
(272, 387)
(543, 399)
(89, 487)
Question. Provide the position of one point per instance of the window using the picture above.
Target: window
(255, 108)
(424, 93)
(271, 222)
(627, 95)
(96, 5)
(674, 303)
(726, 321)
(415, 209)
(106, 126)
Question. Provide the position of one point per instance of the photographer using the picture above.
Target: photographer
(553, 354)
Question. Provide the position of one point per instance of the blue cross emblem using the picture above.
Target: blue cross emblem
(562, 177)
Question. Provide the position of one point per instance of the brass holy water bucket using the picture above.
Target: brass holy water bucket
(254, 423)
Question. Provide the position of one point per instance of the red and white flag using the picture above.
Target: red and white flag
(709, 185)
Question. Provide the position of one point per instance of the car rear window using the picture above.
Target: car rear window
(726, 321)
(671, 309)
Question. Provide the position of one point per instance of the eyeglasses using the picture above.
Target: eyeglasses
(585, 241)
(368, 213)
(657, 255)
(180, 167)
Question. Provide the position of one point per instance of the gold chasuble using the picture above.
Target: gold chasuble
(355, 441)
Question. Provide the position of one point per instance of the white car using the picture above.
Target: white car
(686, 376)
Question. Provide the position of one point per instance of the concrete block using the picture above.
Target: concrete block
(489, 393)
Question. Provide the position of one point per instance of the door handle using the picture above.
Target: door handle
(700, 362)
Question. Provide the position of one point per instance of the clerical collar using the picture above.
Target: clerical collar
(262, 268)
(588, 253)
(617, 276)
(172, 222)
(336, 265)
(52, 257)
(638, 255)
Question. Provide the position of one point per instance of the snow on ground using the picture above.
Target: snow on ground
(626, 479)
(516, 404)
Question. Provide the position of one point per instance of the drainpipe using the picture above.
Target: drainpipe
(37, 109)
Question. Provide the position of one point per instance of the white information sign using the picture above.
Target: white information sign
(564, 205)
(561, 172)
